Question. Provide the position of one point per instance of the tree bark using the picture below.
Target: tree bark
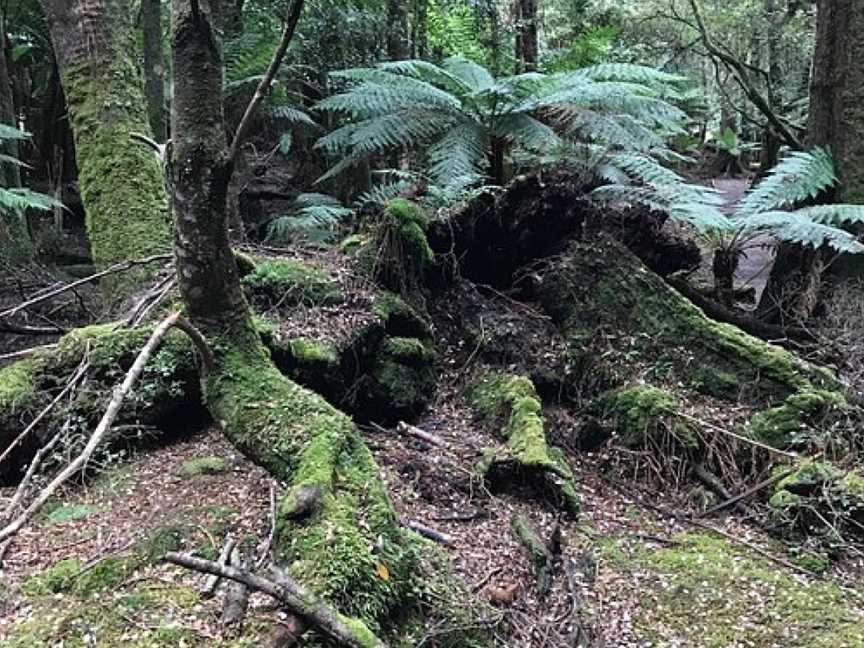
(420, 38)
(15, 244)
(154, 68)
(233, 17)
(836, 116)
(528, 34)
(121, 182)
(397, 33)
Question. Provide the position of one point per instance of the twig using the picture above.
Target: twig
(485, 580)
(117, 267)
(265, 550)
(743, 439)
(25, 352)
(290, 593)
(28, 476)
(292, 16)
(101, 430)
(237, 597)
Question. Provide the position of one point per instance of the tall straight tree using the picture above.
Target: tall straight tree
(154, 67)
(528, 35)
(398, 46)
(121, 182)
(836, 121)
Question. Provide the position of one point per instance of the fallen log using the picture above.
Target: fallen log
(539, 554)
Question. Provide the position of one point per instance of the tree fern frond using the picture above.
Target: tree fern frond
(20, 199)
(835, 215)
(528, 132)
(427, 72)
(371, 99)
(8, 132)
(798, 177)
(475, 76)
(312, 216)
(794, 227)
(382, 193)
(293, 115)
(460, 153)
(628, 72)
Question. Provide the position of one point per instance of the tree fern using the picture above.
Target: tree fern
(458, 111)
(15, 201)
(312, 216)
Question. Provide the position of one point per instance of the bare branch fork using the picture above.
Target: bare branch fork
(292, 17)
(113, 409)
(288, 592)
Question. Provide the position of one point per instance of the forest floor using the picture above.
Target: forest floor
(645, 577)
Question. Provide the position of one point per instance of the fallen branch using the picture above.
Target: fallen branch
(266, 550)
(237, 596)
(747, 493)
(117, 267)
(28, 476)
(291, 594)
(427, 532)
(579, 637)
(212, 581)
(101, 430)
(404, 428)
(14, 355)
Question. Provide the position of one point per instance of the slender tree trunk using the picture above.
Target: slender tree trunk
(289, 430)
(420, 38)
(233, 17)
(15, 244)
(121, 182)
(398, 48)
(528, 30)
(518, 47)
(154, 67)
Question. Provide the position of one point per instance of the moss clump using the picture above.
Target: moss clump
(641, 413)
(351, 244)
(399, 252)
(58, 578)
(68, 513)
(203, 466)
(720, 384)
(399, 318)
(164, 538)
(401, 380)
(799, 417)
(17, 388)
(288, 282)
(513, 400)
(705, 592)
(313, 352)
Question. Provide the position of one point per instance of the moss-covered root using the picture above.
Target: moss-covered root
(512, 402)
(599, 286)
(346, 546)
(798, 419)
(399, 253)
(539, 554)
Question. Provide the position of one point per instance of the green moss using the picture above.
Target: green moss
(164, 538)
(312, 351)
(399, 252)
(706, 592)
(642, 412)
(799, 416)
(121, 182)
(351, 244)
(301, 439)
(288, 282)
(398, 317)
(513, 400)
(17, 389)
(401, 380)
(58, 578)
(720, 384)
(203, 466)
(69, 513)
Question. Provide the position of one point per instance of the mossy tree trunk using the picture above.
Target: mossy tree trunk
(154, 67)
(335, 548)
(121, 182)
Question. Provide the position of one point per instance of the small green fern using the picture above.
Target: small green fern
(312, 216)
(15, 201)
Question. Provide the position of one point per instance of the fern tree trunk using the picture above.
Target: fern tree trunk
(836, 120)
(398, 48)
(528, 33)
(154, 67)
(121, 182)
(293, 432)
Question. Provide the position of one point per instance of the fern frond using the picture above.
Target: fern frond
(627, 72)
(312, 216)
(528, 132)
(293, 115)
(20, 199)
(475, 76)
(835, 215)
(8, 132)
(460, 153)
(382, 193)
(794, 227)
(799, 176)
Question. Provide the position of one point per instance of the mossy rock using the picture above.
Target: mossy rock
(599, 292)
(203, 466)
(819, 498)
(510, 404)
(642, 414)
(704, 591)
(288, 282)
(801, 417)
(71, 576)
